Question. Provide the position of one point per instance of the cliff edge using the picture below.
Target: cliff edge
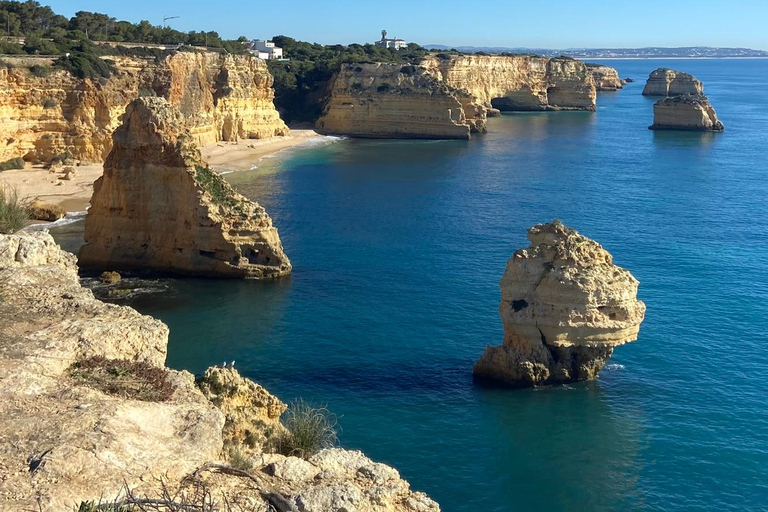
(224, 97)
(89, 412)
(564, 307)
(159, 206)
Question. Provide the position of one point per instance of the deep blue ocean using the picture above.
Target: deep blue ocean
(398, 248)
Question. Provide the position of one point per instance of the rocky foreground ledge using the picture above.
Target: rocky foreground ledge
(564, 307)
(68, 433)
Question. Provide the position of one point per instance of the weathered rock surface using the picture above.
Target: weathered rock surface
(392, 101)
(158, 206)
(686, 112)
(252, 413)
(564, 307)
(41, 210)
(450, 98)
(606, 78)
(223, 97)
(668, 82)
(62, 442)
(520, 82)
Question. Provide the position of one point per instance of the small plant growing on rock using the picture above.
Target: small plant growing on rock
(130, 379)
(50, 103)
(309, 429)
(13, 214)
(238, 460)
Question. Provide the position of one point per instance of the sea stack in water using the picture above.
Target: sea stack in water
(668, 82)
(686, 112)
(564, 307)
(606, 78)
(159, 206)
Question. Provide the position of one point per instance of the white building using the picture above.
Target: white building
(390, 43)
(265, 49)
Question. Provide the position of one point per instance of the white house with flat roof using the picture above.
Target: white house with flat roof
(265, 49)
(395, 43)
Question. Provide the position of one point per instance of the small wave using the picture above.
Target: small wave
(613, 367)
(222, 173)
(69, 218)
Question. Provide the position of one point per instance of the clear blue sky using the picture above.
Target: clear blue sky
(541, 24)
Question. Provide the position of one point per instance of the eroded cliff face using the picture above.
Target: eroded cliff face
(520, 82)
(606, 78)
(65, 440)
(686, 112)
(668, 82)
(450, 98)
(393, 101)
(224, 97)
(564, 307)
(159, 206)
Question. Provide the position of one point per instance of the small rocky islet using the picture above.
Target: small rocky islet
(684, 106)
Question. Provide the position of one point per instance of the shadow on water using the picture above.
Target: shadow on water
(683, 139)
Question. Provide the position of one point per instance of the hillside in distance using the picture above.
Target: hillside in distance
(651, 52)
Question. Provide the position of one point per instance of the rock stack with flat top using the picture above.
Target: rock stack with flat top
(159, 206)
(668, 82)
(564, 307)
(686, 112)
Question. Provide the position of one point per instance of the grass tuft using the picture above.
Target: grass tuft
(309, 429)
(13, 163)
(13, 215)
(129, 379)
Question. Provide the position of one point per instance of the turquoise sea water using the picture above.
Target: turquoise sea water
(398, 247)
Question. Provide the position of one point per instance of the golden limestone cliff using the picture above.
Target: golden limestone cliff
(159, 206)
(224, 97)
(668, 82)
(391, 100)
(519, 82)
(451, 97)
(88, 410)
(686, 112)
(564, 307)
(606, 78)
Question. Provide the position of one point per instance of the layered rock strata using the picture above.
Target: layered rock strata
(606, 78)
(668, 82)
(564, 307)
(452, 97)
(64, 441)
(159, 206)
(686, 112)
(392, 101)
(224, 97)
(518, 83)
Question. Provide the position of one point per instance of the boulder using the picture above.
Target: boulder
(110, 277)
(606, 78)
(159, 206)
(41, 210)
(686, 112)
(564, 307)
(668, 82)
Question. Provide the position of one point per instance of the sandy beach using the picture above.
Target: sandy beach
(35, 182)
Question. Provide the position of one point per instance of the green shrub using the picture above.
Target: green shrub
(40, 71)
(85, 65)
(13, 163)
(65, 158)
(309, 429)
(13, 215)
(50, 103)
(239, 460)
(214, 184)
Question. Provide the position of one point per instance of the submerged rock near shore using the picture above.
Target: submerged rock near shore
(159, 206)
(564, 307)
(668, 82)
(88, 410)
(686, 112)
